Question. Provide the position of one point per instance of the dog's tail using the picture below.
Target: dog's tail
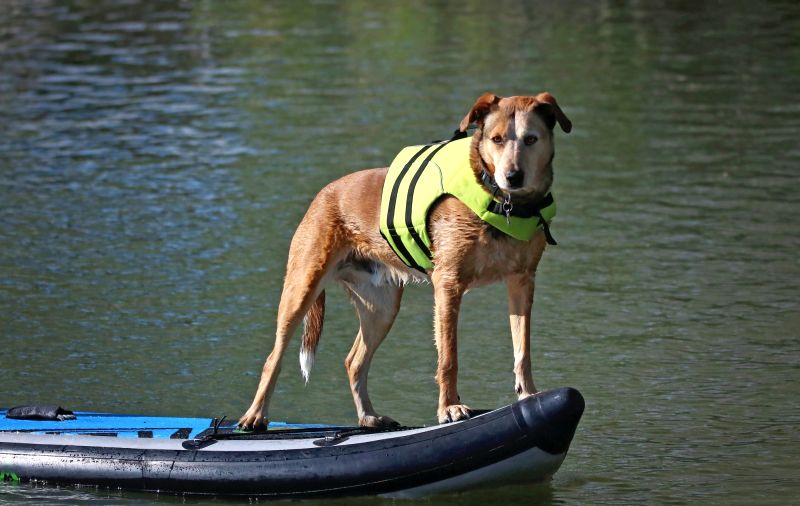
(312, 329)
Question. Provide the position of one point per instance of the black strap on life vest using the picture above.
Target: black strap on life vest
(459, 134)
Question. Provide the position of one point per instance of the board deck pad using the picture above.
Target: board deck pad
(134, 426)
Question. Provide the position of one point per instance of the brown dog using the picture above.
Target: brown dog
(339, 239)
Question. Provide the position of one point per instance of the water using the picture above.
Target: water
(156, 156)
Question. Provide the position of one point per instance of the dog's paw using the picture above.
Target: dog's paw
(454, 413)
(377, 422)
(523, 391)
(250, 421)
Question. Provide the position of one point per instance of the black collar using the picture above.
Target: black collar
(508, 208)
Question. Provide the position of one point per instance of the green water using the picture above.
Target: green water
(155, 158)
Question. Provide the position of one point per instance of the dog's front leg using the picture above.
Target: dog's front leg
(520, 301)
(447, 299)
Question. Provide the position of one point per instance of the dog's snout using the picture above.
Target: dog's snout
(515, 178)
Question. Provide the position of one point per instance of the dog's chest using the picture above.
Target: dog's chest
(480, 253)
(496, 257)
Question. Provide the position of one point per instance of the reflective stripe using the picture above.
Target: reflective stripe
(396, 243)
(410, 203)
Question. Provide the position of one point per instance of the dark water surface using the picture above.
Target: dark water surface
(155, 158)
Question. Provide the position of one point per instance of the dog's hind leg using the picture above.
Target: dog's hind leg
(312, 255)
(295, 302)
(377, 307)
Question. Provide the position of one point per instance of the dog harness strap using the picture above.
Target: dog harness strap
(415, 182)
(459, 134)
(546, 229)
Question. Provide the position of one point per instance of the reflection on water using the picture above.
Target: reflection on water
(156, 156)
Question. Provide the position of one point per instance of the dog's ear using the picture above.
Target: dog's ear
(549, 108)
(479, 110)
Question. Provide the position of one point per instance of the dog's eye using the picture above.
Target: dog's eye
(497, 139)
(530, 140)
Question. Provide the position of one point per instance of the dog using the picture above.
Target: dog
(510, 156)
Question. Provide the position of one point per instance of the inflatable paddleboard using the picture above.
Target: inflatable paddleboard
(525, 442)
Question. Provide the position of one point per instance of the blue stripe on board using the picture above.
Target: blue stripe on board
(127, 425)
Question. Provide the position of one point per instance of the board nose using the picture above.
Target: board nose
(552, 417)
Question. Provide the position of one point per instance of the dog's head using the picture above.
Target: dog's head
(514, 141)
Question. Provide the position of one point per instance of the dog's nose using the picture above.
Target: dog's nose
(515, 178)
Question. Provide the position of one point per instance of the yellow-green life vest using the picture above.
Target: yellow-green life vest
(419, 176)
